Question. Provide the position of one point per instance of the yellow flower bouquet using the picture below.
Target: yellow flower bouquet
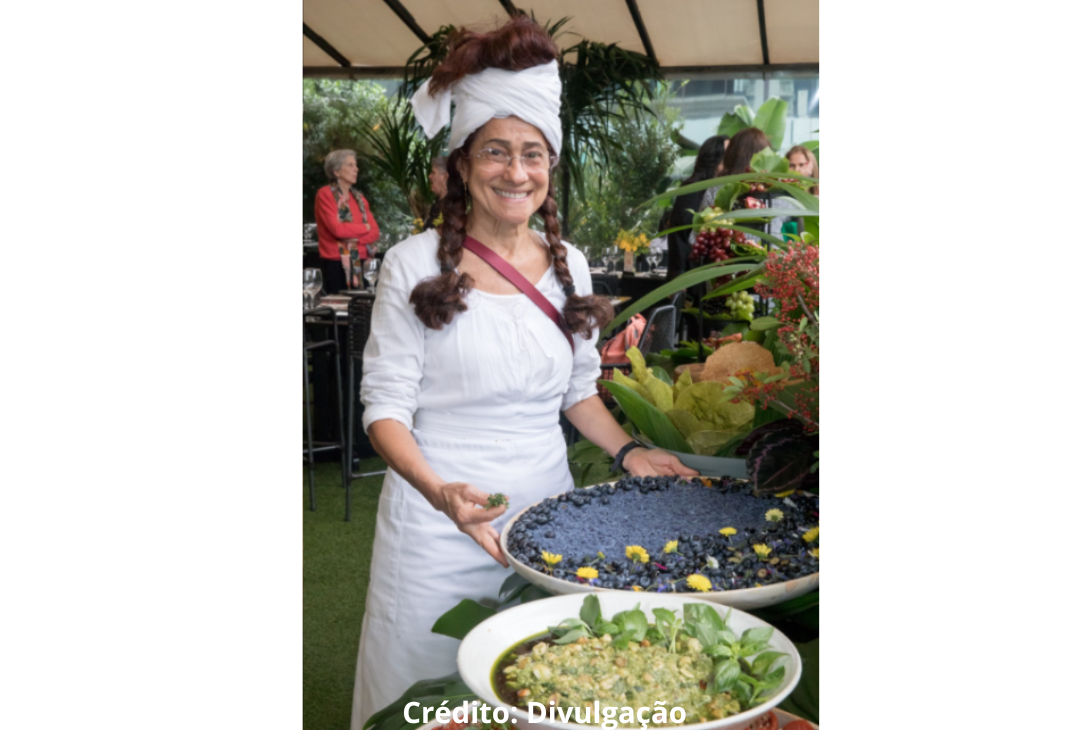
(630, 241)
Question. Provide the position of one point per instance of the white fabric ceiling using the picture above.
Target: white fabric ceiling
(376, 37)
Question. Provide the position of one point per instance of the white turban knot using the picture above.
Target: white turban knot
(532, 95)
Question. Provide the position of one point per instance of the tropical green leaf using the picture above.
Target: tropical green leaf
(772, 119)
(732, 123)
(659, 372)
(725, 180)
(767, 160)
(805, 699)
(808, 200)
(648, 419)
(685, 280)
(461, 619)
(765, 323)
(738, 285)
(745, 114)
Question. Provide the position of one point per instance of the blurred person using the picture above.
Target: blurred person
(738, 160)
(708, 165)
(804, 162)
(347, 231)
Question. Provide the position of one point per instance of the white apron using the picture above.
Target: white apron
(482, 397)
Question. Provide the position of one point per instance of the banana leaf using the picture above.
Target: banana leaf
(771, 118)
(429, 693)
(724, 180)
(654, 424)
(805, 699)
(461, 619)
(752, 278)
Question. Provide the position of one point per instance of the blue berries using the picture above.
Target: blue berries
(651, 511)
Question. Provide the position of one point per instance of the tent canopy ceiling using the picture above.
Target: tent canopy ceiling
(375, 38)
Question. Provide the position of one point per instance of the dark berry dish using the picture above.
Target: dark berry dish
(669, 534)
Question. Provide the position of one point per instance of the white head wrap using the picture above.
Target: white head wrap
(532, 94)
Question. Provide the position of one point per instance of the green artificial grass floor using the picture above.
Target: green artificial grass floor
(336, 567)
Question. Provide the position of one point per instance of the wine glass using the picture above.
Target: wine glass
(653, 257)
(612, 256)
(311, 286)
(370, 271)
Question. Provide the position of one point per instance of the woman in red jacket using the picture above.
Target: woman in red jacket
(346, 228)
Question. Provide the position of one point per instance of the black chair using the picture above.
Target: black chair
(609, 286)
(659, 332)
(360, 308)
(310, 445)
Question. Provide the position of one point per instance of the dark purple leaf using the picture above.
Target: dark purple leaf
(779, 462)
(784, 425)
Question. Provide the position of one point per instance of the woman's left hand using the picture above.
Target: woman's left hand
(641, 462)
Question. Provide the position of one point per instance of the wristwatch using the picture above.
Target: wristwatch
(619, 460)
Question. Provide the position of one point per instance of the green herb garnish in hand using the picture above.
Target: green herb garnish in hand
(498, 500)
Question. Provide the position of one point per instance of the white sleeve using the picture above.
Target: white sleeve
(586, 369)
(394, 355)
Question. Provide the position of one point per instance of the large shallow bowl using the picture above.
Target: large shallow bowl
(743, 598)
(783, 716)
(490, 639)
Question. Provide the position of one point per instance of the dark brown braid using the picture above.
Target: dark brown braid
(581, 313)
(437, 299)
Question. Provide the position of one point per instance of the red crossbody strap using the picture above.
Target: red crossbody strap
(511, 274)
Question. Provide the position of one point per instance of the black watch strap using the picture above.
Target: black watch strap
(619, 460)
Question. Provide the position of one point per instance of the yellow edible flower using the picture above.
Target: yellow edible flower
(773, 515)
(550, 558)
(727, 531)
(671, 547)
(637, 554)
(762, 550)
(587, 573)
(636, 588)
(699, 582)
(816, 553)
(812, 534)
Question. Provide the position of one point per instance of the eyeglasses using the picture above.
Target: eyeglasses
(533, 161)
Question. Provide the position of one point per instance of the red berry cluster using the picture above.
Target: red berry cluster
(715, 245)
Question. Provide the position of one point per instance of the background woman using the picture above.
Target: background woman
(804, 162)
(464, 375)
(345, 223)
(738, 159)
(708, 165)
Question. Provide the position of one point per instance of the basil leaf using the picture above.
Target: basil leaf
(749, 649)
(773, 679)
(725, 636)
(567, 624)
(606, 627)
(761, 633)
(743, 693)
(591, 610)
(634, 621)
(719, 650)
(572, 635)
(666, 618)
(621, 642)
(701, 613)
(725, 675)
(654, 636)
(763, 663)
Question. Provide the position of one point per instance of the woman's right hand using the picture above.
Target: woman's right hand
(461, 502)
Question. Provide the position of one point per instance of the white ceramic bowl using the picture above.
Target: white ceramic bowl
(484, 645)
(783, 716)
(743, 598)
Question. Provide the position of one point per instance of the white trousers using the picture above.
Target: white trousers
(422, 566)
